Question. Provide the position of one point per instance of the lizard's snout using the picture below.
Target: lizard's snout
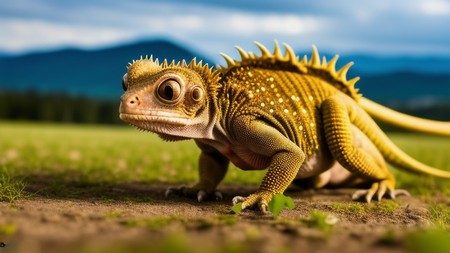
(129, 104)
(132, 101)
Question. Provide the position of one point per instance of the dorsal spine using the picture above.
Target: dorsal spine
(291, 62)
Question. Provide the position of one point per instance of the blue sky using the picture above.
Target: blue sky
(388, 27)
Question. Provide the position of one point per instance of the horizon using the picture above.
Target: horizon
(216, 56)
(385, 28)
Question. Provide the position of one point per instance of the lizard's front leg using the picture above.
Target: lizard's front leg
(286, 159)
(212, 169)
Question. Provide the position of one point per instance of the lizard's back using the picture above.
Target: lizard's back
(287, 100)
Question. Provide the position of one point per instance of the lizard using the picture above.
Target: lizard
(299, 119)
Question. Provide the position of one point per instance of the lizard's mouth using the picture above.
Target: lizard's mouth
(158, 123)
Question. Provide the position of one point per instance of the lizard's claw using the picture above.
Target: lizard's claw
(259, 199)
(380, 189)
(200, 194)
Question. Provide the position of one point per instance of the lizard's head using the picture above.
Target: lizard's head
(170, 100)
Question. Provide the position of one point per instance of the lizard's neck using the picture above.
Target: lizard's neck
(214, 130)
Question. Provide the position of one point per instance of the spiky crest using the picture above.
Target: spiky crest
(210, 76)
(290, 62)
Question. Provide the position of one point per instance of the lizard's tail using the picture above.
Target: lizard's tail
(397, 157)
(391, 152)
(403, 120)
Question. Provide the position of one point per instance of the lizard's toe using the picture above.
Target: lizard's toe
(218, 195)
(398, 192)
(258, 199)
(193, 192)
(177, 191)
(237, 199)
(382, 188)
(201, 195)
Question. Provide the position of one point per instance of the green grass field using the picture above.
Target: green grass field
(98, 155)
(89, 161)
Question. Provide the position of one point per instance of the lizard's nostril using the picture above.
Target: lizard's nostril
(133, 101)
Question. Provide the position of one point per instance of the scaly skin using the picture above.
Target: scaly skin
(300, 120)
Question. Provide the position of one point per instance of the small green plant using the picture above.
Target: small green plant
(8, 229)
(440, 216)
(226, 219)
(153, 223)
(10, 190)
(113, 214)
(321, 220)
(278, 203)
(237, 208)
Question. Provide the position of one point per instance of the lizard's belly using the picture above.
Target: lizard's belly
(315, 165)
(245, 159)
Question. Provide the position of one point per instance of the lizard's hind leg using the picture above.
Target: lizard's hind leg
(353, 149)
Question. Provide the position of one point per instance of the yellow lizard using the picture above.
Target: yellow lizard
(301, 120)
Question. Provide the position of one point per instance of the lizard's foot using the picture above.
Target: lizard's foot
(259, 199)
(380, 189)
(197, 192)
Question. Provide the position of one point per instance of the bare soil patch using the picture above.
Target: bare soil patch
(90, 223)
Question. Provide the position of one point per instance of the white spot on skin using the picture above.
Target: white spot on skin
(286, 111)
(263, 104)
(280, 100)
(310, 98)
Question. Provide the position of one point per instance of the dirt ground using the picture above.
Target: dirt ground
(92, 224)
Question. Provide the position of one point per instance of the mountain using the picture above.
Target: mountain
(98, 73)
(375, 65)
(410, 89)
(93, 73)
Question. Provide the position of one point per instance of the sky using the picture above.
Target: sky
(387, 27)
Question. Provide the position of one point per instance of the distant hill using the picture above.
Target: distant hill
(376, 65)
(406, 88)
(98, 73)
(93, 73)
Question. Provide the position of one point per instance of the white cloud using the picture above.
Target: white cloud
(346, 25)
(19, 34)
(436, 7)
(245, 24)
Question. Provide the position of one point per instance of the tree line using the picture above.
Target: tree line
(57, 107)
(61, 107)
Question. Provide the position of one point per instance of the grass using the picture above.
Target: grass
(161, 222)
(10, 190)
(77, 161)
(321, 220)
(95, 156)
(90, 156)
(360, 209)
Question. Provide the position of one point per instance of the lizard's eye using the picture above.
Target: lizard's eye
(125, 82)
(197, 93)
(169, 90)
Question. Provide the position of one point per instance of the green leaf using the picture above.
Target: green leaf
(237, 208)
(278, 203)
(289, 202)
